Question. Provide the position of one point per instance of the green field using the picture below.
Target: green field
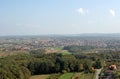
(82, 76)
(60, 50)
(54, 76)
(88, 76)
(66, 76)
(65, 52)
(76, 76)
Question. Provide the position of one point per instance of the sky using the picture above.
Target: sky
(41, 17)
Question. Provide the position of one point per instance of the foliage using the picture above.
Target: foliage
(77, 49)
(22, 66)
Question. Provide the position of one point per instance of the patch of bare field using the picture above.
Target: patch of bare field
(40, 77)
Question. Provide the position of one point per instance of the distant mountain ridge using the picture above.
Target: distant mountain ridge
(81, 35)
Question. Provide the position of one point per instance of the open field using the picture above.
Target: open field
(82, 75)
(66, 76)
(40, 77)
(60, 50)
(88, 76)
(54, 76)
(57, 50)
(76, 76)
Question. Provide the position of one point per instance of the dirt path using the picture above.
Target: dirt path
(40, 77)
(97, 73)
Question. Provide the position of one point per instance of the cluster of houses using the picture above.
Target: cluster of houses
(28, 43)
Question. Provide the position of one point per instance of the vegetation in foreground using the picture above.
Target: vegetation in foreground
(22, 66)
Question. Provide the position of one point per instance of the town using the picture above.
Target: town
(36, 42)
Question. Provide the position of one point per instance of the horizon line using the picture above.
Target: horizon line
(59, 34)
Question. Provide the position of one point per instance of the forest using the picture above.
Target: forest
(36, 62)
(22, 66)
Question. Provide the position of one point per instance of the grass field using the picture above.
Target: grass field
(66, 76)
(65, 52)
(94, 76)
(76, 76)
(54, 76)
(40, 77)
(88, 76)
(58, 50)
(82, 76)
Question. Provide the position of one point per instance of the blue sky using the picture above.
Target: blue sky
(36, 17)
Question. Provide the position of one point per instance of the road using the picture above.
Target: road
(97, 73)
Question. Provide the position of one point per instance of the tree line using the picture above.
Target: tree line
(22, 66)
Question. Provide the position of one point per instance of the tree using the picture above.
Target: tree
(80, 67)
(57, 67)
(86, 68)
(98, 64)
(92, 69)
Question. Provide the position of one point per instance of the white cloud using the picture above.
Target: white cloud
(82, 11)
(112, 12)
